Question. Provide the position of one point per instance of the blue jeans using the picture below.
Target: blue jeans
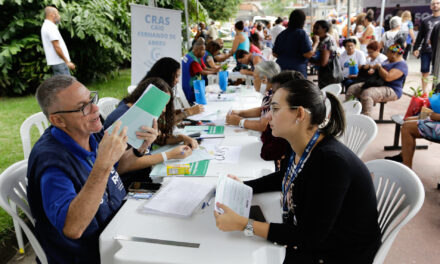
(60, 69)
(425, 61)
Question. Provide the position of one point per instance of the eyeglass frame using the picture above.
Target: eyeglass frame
(290, 107)
(94, 100)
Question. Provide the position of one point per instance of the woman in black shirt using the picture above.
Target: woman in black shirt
(328, 198)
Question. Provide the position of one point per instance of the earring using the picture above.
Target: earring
(297, 122)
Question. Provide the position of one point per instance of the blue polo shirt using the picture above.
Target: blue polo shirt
(57, 189)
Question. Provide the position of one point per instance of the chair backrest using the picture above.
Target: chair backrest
(400, 195)
(267, 53)
(352, 107)
(13, 194)
(131, 88)
(40, 121)
(107, 105)
(334, 88)
(360, 130)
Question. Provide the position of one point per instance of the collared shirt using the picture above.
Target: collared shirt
(56, 187)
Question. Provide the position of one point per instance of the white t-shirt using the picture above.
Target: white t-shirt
(380, 59)
(49, 33)
(275, 31)
(358, 57)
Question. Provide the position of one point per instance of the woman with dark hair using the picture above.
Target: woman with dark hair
(165, 125)
(292, 46)
(368, 34)
(393, 74)
(168, 69)
(255, 44)
(327, 49)
(350, 56)
(327, 194)
(241, 40)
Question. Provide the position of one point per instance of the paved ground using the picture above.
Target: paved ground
(419, 241)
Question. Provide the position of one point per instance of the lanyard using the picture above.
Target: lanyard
(297, 168)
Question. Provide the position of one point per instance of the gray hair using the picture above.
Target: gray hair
(268, 69)
(395, 22)
(48, 90)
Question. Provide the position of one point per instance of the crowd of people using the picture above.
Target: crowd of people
(78, 175)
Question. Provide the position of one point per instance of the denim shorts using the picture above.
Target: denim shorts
(60, 69)
(429, 129)
(425, 58)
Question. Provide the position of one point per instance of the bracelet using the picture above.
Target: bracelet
(164, 156)
(241, 124)
(137, 153)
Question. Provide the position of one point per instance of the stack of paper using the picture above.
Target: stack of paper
(180, 197)
(234, 194)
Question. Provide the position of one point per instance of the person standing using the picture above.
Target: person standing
(277, 29)
(422, 46)
(407, 27)
(57, 55)
(213, 31)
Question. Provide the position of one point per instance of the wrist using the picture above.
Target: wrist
(242, 223)
(164, 156)
(241, 124)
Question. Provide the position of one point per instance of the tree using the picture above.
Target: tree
(221, 9)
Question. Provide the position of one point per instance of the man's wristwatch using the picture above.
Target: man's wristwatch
(249, 229)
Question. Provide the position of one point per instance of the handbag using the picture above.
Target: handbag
(332, 73)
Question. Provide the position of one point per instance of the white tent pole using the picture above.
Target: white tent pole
(382, 13)
(348, 18)
(188, 44)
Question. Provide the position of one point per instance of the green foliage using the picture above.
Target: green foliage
(221, 10)
(96, 32)
(277, 7)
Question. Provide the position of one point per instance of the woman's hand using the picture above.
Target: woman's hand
(235, 178)
(179, 152)
(315, 39)
(233, 119)
(371, 71)
(235, 112)
(190, 142)
(148, 134)
(194, 110)
(229, 220)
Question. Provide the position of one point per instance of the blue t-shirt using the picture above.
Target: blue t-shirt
(290, 46)
(397, 84)
(58, 190)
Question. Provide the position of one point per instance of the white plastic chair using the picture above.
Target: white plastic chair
(40, 121)
(359, 132)
(352, 107)
(335, 89)
(267, 53)
(13, 194)
(107, 105)
(131, 88)
(400, 195)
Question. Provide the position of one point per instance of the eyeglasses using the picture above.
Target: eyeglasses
(274, 110)
(85, 109)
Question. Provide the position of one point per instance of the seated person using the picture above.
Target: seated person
(255, 44)
(393, 75)
(193, 67)
(413, 128)
(374, 55)
(267, 69)
(165, 125)
(350, 56)
(74, 188)
(168, 69)
(247, 58)
(329, 215)
(221, 57)
(212, 49)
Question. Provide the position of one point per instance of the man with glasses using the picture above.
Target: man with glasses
(422, 41)
(74, 188)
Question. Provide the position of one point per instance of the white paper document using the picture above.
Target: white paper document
(234, 194)
(225, 154)
(180, 197)
(204, 115)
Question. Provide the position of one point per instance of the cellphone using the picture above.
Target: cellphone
(256, 213)
(144, 187)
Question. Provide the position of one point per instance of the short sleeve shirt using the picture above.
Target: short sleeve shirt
(380, 59)
(397, 85)
(290, 45)
(49, 33)
(196, 68)
(358, 57)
